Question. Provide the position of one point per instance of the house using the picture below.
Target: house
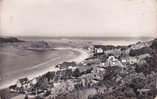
(22, 84)
(104, 47)
(65, 65)
(143, 56)
(86, 80)
(62, 74)
(129, 60)
(91, 48)
(99, 50)
(71, 85)
(101, 90)
(111, 58)
(72, 68)
(33, 81)
(96, 49)
(104, 64)
(98, 73)
(66, 74)
(112, 61)
(62, 87)
(114, 52)
(12, 88)
(61, 67)
(143, 91)
(78, 83)
(94, 82)
(57, 84)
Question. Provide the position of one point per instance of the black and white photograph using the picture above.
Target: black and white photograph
(78, 49)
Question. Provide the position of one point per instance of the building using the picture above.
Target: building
(22, 84)
(114, 52)
(99, 50)
(86, 80)
(12, 88)
(143, 91)
(112, 61)
(33, 81)
(66, 65)
(143, 56)
(98, 73)
(91, 48)
(111, 58)
(104, 64)
(129, 60)
(72, 68)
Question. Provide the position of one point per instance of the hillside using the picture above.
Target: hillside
(111, 72)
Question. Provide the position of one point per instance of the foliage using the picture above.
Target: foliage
(137, 52)
(154, 44)
(76, 73)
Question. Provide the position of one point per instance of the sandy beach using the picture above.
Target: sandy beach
(70, 54)
(83, 54)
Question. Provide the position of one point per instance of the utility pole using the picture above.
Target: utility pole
(156, 83)
(36, 92)
(54, 87)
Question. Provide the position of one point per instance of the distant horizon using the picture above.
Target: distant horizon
(85, 38)
(77, 36)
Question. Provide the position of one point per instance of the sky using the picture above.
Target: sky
(116, 18)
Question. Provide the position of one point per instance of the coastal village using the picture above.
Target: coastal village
(111, 72)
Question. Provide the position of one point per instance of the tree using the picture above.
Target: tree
(154, 44)
(137, 83)
(76, 73)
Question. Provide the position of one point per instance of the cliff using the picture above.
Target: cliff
(9, 40)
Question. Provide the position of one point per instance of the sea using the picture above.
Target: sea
(93, 40)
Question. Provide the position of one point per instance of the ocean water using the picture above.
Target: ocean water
(19, 63)
(93, 40)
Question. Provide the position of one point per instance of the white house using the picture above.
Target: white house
(99, 50)
(33, 81)
(111, 58)
(22, 82)
(112, 61)
(72, 68)
(129, 60)
(104, 64)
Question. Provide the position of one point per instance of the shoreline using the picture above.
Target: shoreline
(82, 54)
